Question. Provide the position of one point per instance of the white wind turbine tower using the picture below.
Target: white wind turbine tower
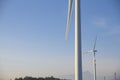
(78, 54)
(94, 58)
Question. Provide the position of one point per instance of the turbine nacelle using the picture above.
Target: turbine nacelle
(94, 50)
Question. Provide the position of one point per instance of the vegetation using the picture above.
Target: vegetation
(40, 78)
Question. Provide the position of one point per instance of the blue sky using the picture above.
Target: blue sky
(32, 37)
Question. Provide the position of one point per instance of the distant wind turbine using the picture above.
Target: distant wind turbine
(94, 57)
(78, 55)
(104, 78)
(115, 75)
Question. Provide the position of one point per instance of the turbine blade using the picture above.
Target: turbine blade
(87, 52)
(95, 43)
(70, 4)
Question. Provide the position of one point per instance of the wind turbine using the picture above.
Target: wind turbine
(115, 75)
(78, 50)
(94, 57)
(104, 78)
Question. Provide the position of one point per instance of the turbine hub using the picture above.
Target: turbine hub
(95, 50)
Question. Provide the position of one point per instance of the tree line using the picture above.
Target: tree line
(40, 78)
